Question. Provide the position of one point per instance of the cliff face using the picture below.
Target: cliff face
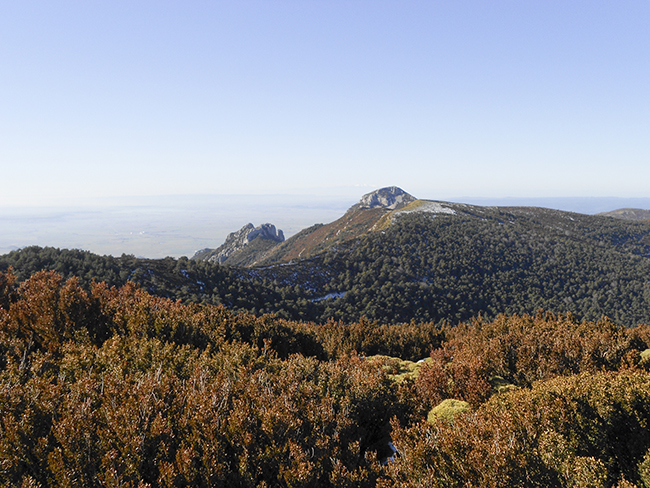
(243, 247)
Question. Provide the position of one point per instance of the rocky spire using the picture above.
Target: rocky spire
(236, 241)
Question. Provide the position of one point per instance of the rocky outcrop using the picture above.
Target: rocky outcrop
(390, 198)
(264, 245)
(265, 236)
(265, 231)
(360, 219)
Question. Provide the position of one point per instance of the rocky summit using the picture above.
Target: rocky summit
(263, 245)
(391, 198)
(367, 215)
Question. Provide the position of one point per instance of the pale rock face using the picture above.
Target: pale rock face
(429, 207)
(237, 240)
(267, 231)
(390, 198)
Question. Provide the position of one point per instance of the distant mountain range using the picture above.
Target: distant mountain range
(455, 260)
(394, 258)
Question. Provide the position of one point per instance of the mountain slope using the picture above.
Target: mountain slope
(437, 260)
(421, 260)
(262, 246)
(360, 219)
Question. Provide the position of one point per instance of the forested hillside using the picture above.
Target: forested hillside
(457, 266)
(182, 279)
(420, 265)
(116, 387)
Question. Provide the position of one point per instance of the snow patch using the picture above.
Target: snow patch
(429, 207)
(331, 295)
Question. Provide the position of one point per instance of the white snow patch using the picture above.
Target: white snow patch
(331, 295)
(430, 207)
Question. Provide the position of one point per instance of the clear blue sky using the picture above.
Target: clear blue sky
(455, 98)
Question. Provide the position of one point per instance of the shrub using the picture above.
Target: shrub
(447, 410)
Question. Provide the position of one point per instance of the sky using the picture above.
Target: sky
(497, 98)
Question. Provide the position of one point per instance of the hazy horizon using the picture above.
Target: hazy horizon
(108, 105)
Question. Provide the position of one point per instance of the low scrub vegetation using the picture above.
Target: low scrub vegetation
(112, 386)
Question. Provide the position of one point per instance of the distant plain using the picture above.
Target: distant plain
(156, 227)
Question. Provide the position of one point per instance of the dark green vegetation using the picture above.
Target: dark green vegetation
(117, 387)
(500, 260)
(421, 266)
(182, 279)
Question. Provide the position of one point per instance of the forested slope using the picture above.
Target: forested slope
(182, 279)
(457, 266)
(421, 266)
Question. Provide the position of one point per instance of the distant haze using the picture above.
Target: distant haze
(156, 227)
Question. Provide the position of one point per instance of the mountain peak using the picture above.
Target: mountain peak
(390, 198)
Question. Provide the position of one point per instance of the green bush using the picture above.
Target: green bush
(447, 410)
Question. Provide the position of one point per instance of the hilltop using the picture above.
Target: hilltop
(628, 214)
(361, 218)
